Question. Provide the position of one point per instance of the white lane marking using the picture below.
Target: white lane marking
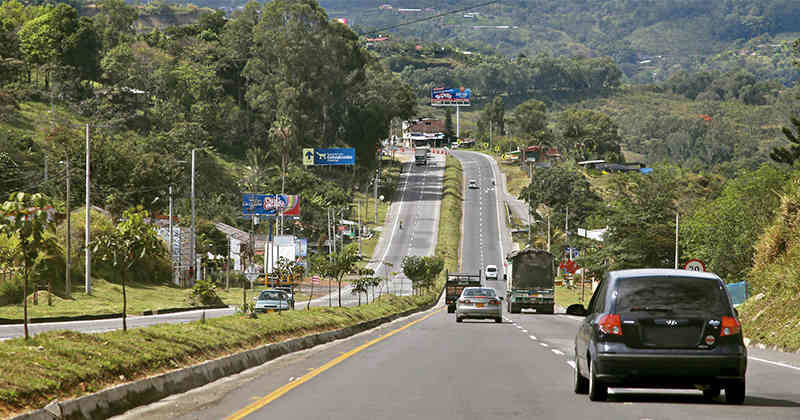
(291, 379)
(558, 352)
(784, 365)
(571, 363)
(533, 337)
(524, 331)
(544, 344)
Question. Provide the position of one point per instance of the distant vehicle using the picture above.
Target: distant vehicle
(421, 157)
(473, 184)
(491, 272)
(455, 284)
(479, 303)
(660, 328)
(529, 281)
(272, 300)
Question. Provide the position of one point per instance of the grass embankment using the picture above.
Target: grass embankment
(449, 235)
(62, 365)
(566, 296)
(770, 315)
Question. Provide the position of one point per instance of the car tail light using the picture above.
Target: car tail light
(730, 326)
(494, 302)
(610, 324)
(464, 301)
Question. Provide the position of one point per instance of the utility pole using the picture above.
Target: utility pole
(548, 232)
(566, 232)
(358, 206)
(490, 132)
(88, 269)
(68, 280)
(458, 123)
(375, 195)
(530, 227)
(194, 241)
(171, 249)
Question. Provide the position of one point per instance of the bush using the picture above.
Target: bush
(204, 293)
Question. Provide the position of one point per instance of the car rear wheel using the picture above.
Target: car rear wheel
(498, 320)
(514, 309)
(598, 391)
(580, 381)
(458, 319)
(451, 309)
(734, 393)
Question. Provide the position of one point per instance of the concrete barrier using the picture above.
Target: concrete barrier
(123, 397)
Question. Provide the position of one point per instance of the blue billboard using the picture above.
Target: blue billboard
(450, 96)
(263, 204)
(323, 157)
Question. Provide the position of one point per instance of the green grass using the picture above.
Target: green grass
(64, 364)
(449, 235)
(567, 296)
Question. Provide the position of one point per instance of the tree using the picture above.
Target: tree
(560, 188)
(422, 271)
(114, 23)
(129, 242)
(587, 134)
(791, 153)
(343, 262)
(640, 215)
(25, 216)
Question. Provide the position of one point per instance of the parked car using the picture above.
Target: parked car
(271, 300)
(289, 294)
(660, 328)
(491, 272)
(479, 303)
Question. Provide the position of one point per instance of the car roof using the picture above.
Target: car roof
(660, 272)
(491, 266)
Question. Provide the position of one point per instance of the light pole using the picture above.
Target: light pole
(88, 269)
(193, 239)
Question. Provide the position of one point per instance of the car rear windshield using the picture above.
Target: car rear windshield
(672, 293)
(491, 269)
(479, 292)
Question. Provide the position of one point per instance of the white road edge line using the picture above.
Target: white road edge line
(784, 365)
(524, 331)
(571, 363)
(544, 344)
(533, 337)
(558, 352)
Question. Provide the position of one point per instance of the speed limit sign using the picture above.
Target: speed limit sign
(694, 265)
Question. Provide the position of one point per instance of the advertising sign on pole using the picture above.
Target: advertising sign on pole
(270, 205)
(450, 96)
(329, 157)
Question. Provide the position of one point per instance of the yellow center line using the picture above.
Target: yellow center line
(272, 396)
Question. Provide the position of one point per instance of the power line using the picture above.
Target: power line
(463, 9)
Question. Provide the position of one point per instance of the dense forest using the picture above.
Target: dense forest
(244, 90)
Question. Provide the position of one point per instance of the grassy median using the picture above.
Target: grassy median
(65, 364)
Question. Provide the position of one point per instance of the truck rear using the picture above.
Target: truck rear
(530, 281)
(421, 156)
(455, 284)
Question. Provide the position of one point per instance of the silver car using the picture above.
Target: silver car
(271, 300)
(479, 303)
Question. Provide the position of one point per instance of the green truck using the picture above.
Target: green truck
(529, 281)
(455, 283)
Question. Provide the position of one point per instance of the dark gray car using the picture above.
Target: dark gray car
(660, 328)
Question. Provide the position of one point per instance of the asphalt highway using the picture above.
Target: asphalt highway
(428, 367)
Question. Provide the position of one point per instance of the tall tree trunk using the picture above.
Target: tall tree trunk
(339, 281)
(308, 305)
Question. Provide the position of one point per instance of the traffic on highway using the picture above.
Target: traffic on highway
(672, 354)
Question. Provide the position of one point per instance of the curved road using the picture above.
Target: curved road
(427, 366)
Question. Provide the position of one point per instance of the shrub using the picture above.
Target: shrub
(204, 293)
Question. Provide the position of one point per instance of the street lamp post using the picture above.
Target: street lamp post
(193, 239)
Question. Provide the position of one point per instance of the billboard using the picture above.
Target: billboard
(450, 97)
(339, 156)
(270, 204)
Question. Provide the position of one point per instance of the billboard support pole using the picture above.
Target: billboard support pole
(458, 123)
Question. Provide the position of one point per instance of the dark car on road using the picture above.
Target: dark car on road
(660, 328)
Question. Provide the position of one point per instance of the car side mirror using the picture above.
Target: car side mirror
(576, 309)
(501, 298)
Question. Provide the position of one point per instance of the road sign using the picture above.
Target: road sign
(308, 157)
(694, 265)
(328, 157)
